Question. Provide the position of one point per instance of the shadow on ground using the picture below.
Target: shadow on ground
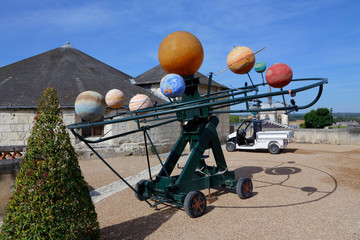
(283, 151)
(138, 228)
(287, 172)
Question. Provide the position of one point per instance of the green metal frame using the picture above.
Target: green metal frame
(198, 130)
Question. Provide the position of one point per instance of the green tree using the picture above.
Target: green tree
(234, 119)
(51, 199)
(318, 119)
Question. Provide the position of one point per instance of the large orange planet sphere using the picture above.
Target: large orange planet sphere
(241, 60)
(181, 53)
(279, 75)
(115, 98)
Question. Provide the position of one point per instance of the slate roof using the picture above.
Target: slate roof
(66, 69)
(155, 75)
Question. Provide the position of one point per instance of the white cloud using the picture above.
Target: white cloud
(87, 17)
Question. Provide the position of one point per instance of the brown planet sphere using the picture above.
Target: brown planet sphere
(181, 53)
(241, 60)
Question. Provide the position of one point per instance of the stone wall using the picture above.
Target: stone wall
(163, 137)
(15, 128)
(349, 136)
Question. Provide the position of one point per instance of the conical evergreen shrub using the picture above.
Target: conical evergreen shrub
(51, 199)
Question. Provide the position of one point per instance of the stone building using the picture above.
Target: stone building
(71, 72)
(275, 117)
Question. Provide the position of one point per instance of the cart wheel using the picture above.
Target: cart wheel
(195, 204)
(244, 188)
(140, 188)
(274, 148)
(230, 146)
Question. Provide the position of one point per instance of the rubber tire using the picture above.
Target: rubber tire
(274, 148)
(140, 187)
(244, 187)
(195, 204)
(230, 146)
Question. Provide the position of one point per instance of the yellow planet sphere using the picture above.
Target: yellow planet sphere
(241, 60)
(139, 101)
(115, 98)
(181, 53)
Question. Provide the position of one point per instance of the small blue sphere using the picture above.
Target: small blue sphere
(260, 67)
(172, 85)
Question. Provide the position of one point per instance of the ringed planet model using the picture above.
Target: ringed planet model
(241, 60)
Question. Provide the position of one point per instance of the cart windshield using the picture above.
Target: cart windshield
(247, 127)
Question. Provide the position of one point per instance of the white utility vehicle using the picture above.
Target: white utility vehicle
(249, 136)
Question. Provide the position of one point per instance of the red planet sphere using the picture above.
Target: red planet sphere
(279, 75)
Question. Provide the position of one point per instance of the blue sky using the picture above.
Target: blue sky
(318, 38)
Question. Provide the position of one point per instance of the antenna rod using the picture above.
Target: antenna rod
(250, 79)
(209, 85)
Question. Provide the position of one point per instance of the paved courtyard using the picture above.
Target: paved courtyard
(310, 191)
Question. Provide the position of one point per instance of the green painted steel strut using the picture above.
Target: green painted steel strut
(199, 131)
(116, 173)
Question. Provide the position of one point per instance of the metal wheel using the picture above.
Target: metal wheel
(195, 204)
(244, 188)
(274, 148)
(140, 189)
(230, 146)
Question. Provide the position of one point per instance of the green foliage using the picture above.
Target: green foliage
(51, 199)
(234, 119)
(318, 119)
(345, 117)
(296, 116)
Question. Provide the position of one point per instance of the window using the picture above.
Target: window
(94, 131)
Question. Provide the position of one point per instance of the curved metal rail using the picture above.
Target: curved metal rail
(211, 102)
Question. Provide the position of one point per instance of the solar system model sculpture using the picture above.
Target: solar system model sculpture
(181, 55)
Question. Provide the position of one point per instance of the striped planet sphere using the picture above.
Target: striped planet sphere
(260, 67)
(90, 105)
(139, 101)
(115, 98)
(241, 60)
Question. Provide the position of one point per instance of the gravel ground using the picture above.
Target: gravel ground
(307, 192)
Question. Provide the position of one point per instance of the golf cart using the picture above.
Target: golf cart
(249, 136)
